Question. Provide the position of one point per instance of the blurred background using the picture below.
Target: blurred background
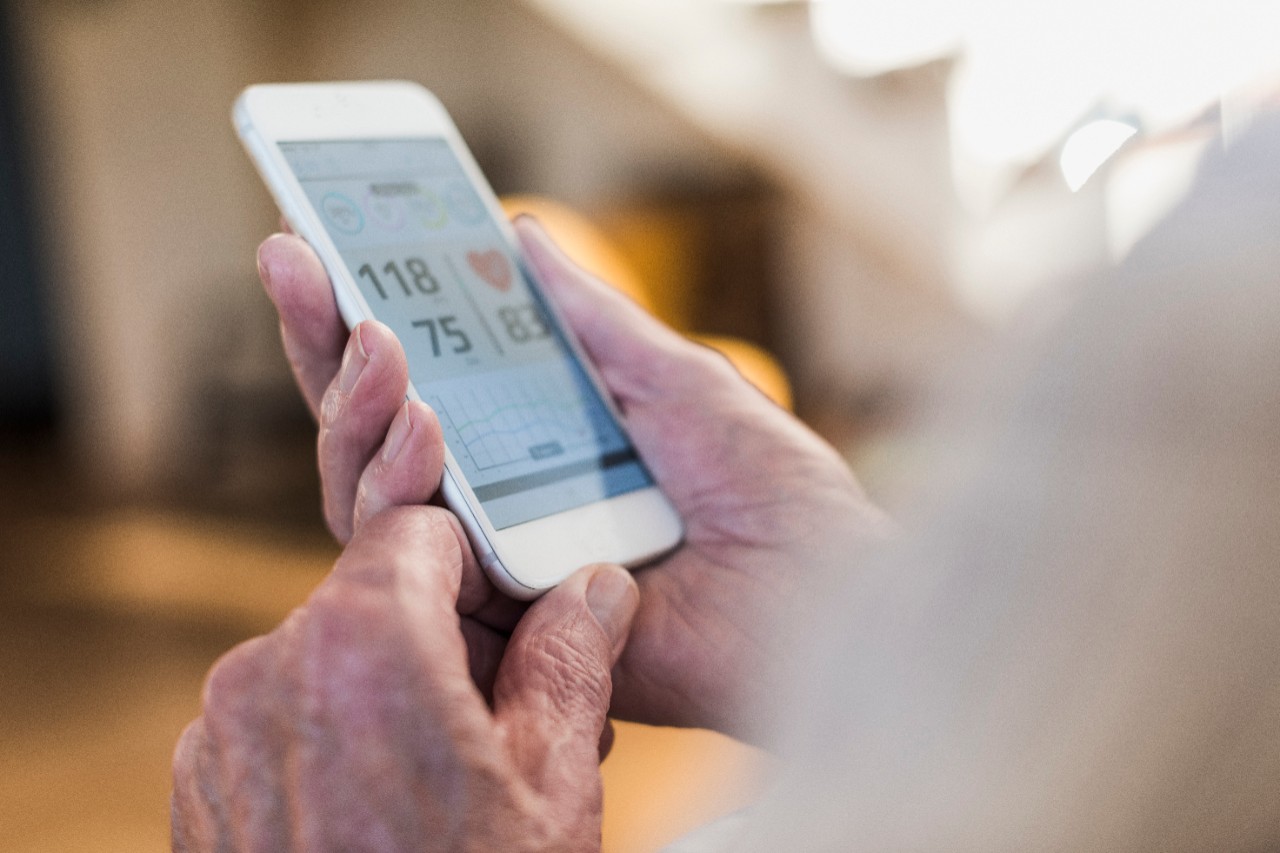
(856, 194)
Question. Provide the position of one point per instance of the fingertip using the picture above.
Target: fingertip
(415, 426)
(608, 592)
(298, 285)
(526, 222)
(407, 468)
(395, 541)
(372, 336)
(555, 680)
(377, 343)
(531, 228)
(541, 250)
(265, 256)
(613, 597)
(426, 420)
(274, 254)
(402, 428)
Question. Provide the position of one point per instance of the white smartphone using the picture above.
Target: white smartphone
(538, 468)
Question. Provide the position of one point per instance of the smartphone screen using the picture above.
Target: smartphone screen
(524, 423)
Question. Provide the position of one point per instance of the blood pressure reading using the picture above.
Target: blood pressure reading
(522, 420)
(418, 272)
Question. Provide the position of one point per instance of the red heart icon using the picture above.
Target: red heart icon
(492, 267)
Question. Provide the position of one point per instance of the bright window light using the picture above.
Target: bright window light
(1089, 147)
(869, 37)
(1027, 71)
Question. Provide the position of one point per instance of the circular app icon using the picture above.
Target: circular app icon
(464, 203)
(343, 213)
(385, 212)
(429, 210)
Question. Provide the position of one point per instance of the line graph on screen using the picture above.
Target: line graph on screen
(533, 418)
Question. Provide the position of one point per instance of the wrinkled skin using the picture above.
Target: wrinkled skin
(356, 725)
(765, 502)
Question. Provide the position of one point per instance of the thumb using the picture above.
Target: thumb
(552, 692)
(637, 354)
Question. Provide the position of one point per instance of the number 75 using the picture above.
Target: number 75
(446, 326)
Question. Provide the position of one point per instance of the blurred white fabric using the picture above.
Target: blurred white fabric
(1076, 644)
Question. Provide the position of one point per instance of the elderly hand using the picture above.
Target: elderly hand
(765, 502)
(356, 724)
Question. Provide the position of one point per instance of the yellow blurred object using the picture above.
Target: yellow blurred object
(660, 784)
(657, 247)
(664, 244)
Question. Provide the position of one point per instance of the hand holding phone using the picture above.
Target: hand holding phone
(768, 506)
(538, 467)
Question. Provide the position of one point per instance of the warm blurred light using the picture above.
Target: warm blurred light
(1027, 71)
(870, 37)
(1091, 146)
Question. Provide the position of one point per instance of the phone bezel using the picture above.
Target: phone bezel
(523, 560)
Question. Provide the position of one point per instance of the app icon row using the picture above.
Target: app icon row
(456, 202)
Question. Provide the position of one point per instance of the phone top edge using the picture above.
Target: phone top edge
(340, 110)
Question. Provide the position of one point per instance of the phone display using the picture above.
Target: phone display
(538, 467)
(530, 433)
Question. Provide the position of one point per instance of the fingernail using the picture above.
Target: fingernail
(264, 272)
(353, 361)
(400, 430)
(264, 269)
(612, 600)
(530, 227)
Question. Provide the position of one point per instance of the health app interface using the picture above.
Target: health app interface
(525, 425)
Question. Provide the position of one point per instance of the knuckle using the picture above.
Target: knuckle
(192, 810)
(354, 663)
(358, 568)
(429, 528)
(340, 607)
(318, 648)
(708, 364)
(232, 686)
(348, 627)
(332, 404)
(441, 530)
(186, 752)
(368, 502)
(333, 483)
(355, 641)
(687, 365)
(335, 518)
